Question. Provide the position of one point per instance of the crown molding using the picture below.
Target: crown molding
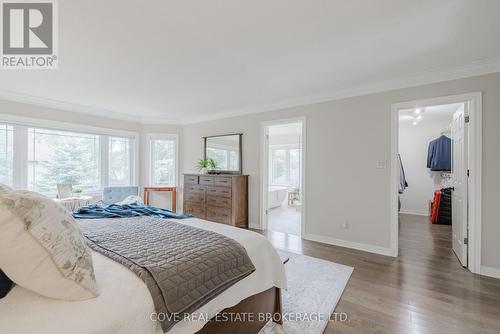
(82, 109)
(158, 121)
(64, 106)
(476, 68)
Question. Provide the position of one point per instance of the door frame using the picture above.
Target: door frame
(264, 169)
(474, 165)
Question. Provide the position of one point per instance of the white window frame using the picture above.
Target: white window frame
(287, 148)
(13, 149)
(150, 157)
(133, 152)
(21, 125)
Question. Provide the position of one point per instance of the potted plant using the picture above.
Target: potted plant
(205, 165)
(77, 191)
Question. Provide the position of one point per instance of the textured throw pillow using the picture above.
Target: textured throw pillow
(5, 284)
(42, 248)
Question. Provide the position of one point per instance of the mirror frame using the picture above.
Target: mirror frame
(240, 136)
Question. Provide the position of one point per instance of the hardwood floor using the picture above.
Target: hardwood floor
(424, 290)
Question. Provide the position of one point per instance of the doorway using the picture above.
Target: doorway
(282, 176)
(436, 173)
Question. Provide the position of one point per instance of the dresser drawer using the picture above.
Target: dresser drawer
(223, 202)
(219, 215)
(223, 181)
(219, 191)
(195, 189)
(191, 179)
(195, 197)
(195, 209)
(207, 180)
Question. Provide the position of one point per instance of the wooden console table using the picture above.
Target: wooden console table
(173, 190)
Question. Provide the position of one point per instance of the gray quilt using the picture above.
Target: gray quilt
(183, 267)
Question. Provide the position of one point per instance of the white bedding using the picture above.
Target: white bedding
(125, 305)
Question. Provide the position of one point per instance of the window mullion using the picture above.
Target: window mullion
(104, 160)
(20, 155)
(176, 162)
(288, 177)
(132, 157)
(152, 160)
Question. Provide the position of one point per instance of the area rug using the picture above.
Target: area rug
(314, 289)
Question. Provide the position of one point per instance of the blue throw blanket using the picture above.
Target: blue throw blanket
(101, 210)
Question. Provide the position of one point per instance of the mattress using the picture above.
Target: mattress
(125, 305)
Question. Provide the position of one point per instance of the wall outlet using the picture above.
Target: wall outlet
(381, 165)
(345, 225)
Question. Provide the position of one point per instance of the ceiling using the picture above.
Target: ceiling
(429, 114)
(184, 61)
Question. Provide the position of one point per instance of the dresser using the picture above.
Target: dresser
(218, 198)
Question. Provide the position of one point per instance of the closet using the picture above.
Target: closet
(439, 159)
(425, 156)
(434, 180)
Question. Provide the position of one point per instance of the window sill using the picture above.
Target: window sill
(94, 193)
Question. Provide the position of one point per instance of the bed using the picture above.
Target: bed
(125, 304)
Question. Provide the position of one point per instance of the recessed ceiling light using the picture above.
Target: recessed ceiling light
(418, 111)
(419, 117)
(415, 122)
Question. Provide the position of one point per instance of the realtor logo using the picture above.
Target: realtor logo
(29, 34)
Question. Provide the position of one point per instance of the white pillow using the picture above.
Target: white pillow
(42, 248)
(132, 199)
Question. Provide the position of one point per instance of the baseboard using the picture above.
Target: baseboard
(414, 212)
(490, 271)
(348, 244)
(254, 226)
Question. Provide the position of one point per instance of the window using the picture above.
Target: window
(62, 157)
(227, 157)
(279, 170)
(285, 166)
(294, 167)
(44, 158)
(119, 161)
(6, 154)
(163, 161)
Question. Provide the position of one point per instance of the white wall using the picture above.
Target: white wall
(413, 145)
(345, 139)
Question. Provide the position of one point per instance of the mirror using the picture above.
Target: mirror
(226, 151)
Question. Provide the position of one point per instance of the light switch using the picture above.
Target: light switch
(381, 165)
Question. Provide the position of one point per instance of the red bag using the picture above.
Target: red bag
(435, 207)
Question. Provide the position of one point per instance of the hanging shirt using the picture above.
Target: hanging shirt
(402, 177)
(439, 154)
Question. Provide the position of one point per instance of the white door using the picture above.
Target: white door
(265, 174)
(459, 183)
